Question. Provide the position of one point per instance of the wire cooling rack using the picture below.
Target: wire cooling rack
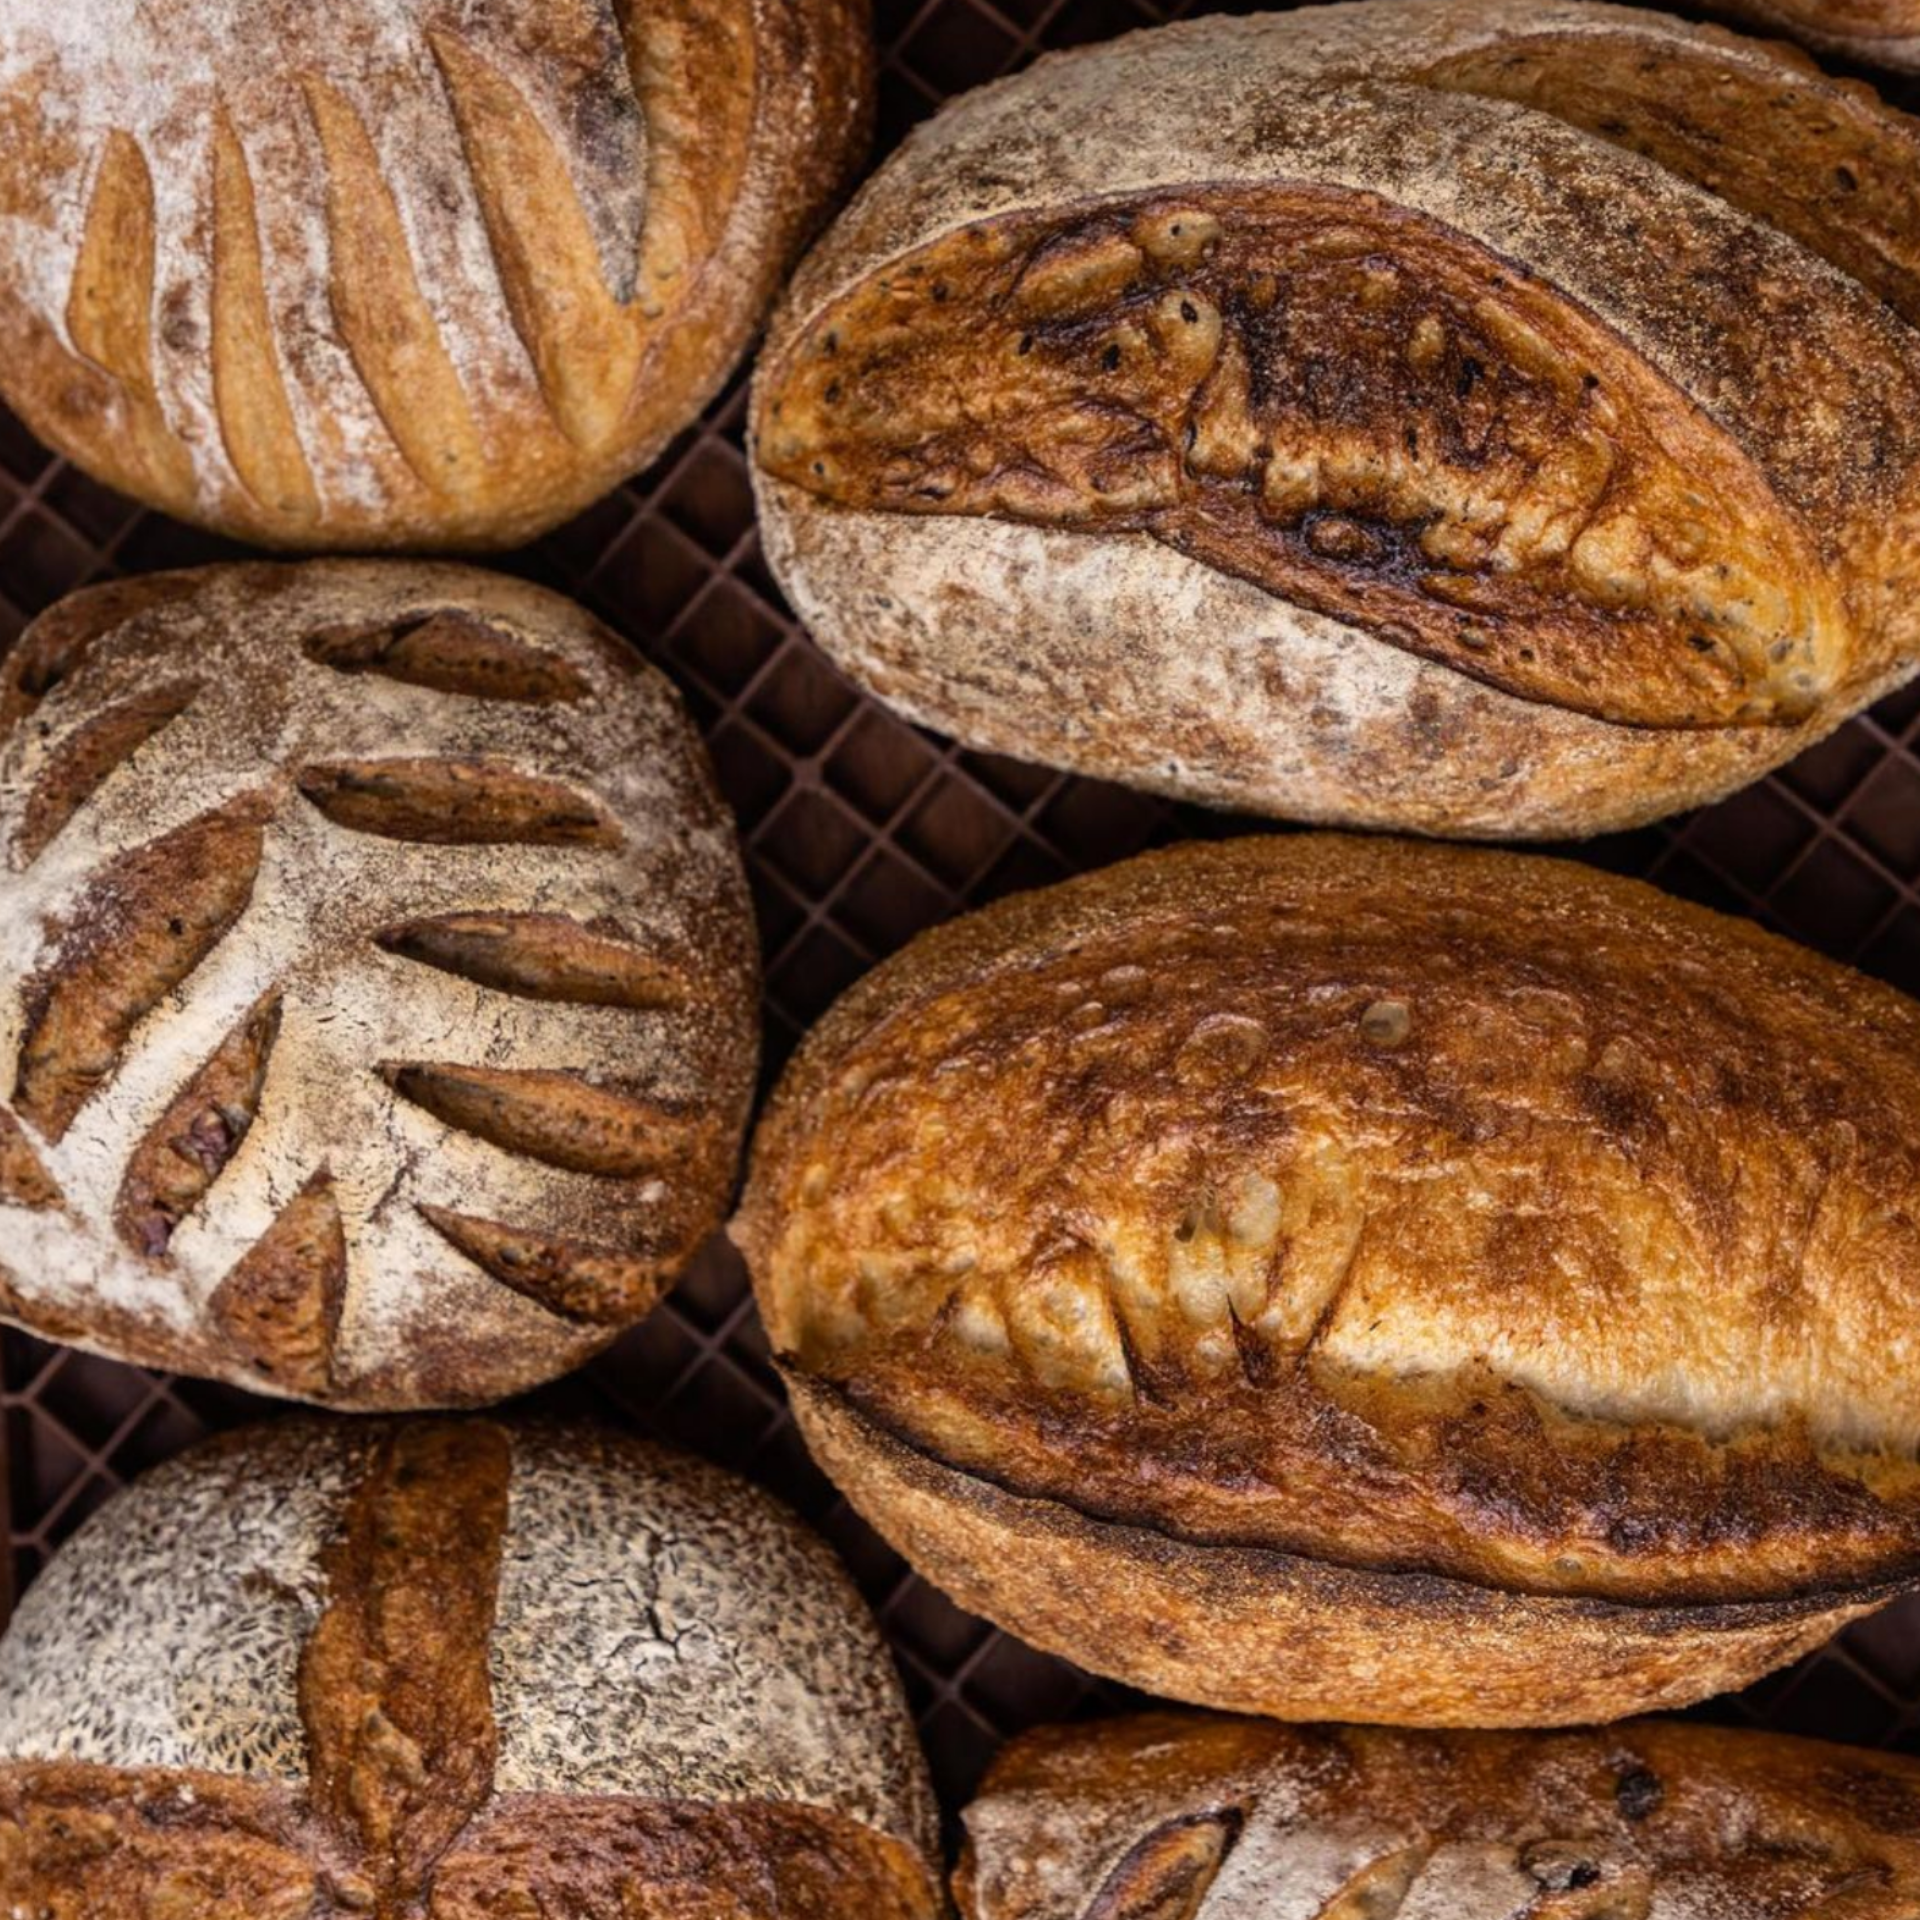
(860, 831)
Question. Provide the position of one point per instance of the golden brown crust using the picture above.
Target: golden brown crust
(1254, 1631)
(1477, 474)
(1085, 1824)
(1373, 1205)
(545, 235)
(1318, 551)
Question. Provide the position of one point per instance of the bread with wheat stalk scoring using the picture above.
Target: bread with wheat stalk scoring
(1180, 1816)
(401, 273)
(1484, 419)
(453, 1670)
(1363, 1280)
(378, 988)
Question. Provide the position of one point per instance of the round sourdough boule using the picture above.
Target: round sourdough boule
(1180, 1816)
(1490, 419)
(1882, 33)
(453, 1670)
(378, 987)
(402, 273)
(1363, 1280)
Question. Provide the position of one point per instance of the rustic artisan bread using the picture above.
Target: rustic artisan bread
(445, 1670)
(1364, 1280)
(380, 273)
(1481, 418)
(1883, 33)
(1169, 1816)
(377, 981)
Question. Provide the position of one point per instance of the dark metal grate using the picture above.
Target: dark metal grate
(861, 831)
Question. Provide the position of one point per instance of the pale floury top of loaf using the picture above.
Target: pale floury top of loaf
(422, 950)
(663, 1631)
(400, 271)
(1747, 316)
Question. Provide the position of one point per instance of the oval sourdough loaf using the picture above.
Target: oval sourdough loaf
(401, 272)
(446, 1670)
(1490, 419)
(1364, 1280)
(377, 981)
(1170, 1816)
(1883, 33)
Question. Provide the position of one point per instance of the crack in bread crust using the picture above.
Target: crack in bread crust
(1376, 1203)
(1479, 474)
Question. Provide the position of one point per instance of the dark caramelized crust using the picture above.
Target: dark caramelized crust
(82, 1842)
(393, 1684)
(1347, 406)
(639, 1860)
(1653, 1817)
(1397, 1207)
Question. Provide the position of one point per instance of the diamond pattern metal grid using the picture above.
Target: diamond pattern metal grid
(860, 831)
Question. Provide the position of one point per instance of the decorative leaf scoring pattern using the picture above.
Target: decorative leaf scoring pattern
(140, 930)
(452, 652)
(456, 803)
(121, 977)
(279, 1308)
(561, 1118)
(91, 754)
(189, 1146)
(545, 957)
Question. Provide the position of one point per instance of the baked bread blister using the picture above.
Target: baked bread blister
(378, 984)
(379, 273)
(1494, 419)
(1170, 1816)
(1363, 1280)
(453, 1671)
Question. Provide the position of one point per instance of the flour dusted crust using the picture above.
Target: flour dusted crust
(401, 272)
(474, 1665)
(377, 981)
(1363, 1280)
(1880, 33)
(1168, 1816)
(1476, 419)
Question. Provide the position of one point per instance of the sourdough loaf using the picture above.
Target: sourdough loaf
(401, 272)
(1364, 1280)
(1168, 1816)
(444, 1670)
(378, 1004)
(1489, 419)
(1883, 33)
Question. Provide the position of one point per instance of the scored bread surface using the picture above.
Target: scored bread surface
(1492, 419)
(1322, 1236)
(401, 272)
(376, 1003)
(1167, 1816)
(648, 1636)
